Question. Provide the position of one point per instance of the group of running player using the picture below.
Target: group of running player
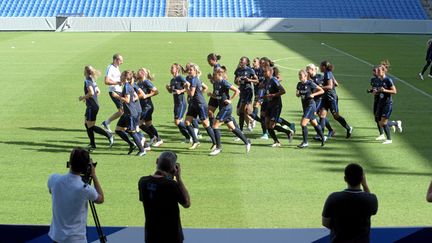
(259, 87)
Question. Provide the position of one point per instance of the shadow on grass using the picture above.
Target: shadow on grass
(53, 129)
(383, 170)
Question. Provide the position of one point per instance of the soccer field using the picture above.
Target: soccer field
(42, 119)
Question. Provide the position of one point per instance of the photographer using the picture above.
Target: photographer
(70, 196)
(160, 195)
(347, 213)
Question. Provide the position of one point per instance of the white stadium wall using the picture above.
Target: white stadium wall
(83, 24)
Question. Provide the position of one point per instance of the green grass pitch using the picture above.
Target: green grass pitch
(42, 119)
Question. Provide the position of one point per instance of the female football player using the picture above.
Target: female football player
(91, 92)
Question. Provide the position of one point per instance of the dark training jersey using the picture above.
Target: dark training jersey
(305, 90)
(386, 83)
(177, 83)
(318, 80)
(137, 102)
(160, 197)
(331, 93)
(243, 73)
(129, 108)
(376, 83)
(198, 97)
(92, 101)
(272, 87)
(221, 91)
(146, 86)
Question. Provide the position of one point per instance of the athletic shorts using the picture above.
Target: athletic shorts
(91, 113)
(128, 122)
(213, 102)
(273, 112)
(196, 110)
(225, 114)
(246, 96)
(117, 102)
(331, 104)
(319, 104)
(309, 112)
(179, 110)
(384, 110)
(146, 113)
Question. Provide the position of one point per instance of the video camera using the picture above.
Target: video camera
(86, 173)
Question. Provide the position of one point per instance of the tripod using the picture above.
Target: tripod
(102, 237)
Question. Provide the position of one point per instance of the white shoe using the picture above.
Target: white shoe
(430, 76)
(148, 148)
(249, 128)
(213, 147)
(303, 145)
(111, 140)
(248, 147)
(194, 146)
(187, 140)
(264, 136)
(399, 126)
(387, 141)
(215, 152)
(381, 137)
(106, 126)
(199, 136)
(253, 124)
(393, 128)
(236, 139)
(421, 76)
(196, 131)
(158, 143)
(276, 145)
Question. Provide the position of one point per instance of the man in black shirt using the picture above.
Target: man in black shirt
(161, 193)
(347, 213)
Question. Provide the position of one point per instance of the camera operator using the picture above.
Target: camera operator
(160, 195)
(70, 196)
(347, 213)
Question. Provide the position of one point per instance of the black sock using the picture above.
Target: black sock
(305, 134)
(392, 123)
(90, 134)
(387, 131)
(155, 133)
(327, 125)
(342, 121)
(272, 134)
(318, 129)
(147, 130)
(255, 117)
(195, 123)
(263, 125)
(235, 122)
(240, 135)
(211, 134)
(182, 127)
(217, 137)
(241, 121)
(323, 123)
(123, 135)
(137, 140)
(380, 129)
(191, 131)
(281, 129)
(101, 131)
(211, 121)
(284, 122)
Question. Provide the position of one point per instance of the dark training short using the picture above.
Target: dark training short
(179, 110)
(213, 102)
(331, 104)
(273, 112)
(91, 113)
(224, 114)
(309, 112)
(128, 122)
(246, 96)
(384, 110)
(146, 113)
(117, 102)
(200, 111)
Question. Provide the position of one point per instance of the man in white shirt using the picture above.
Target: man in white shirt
(69, 199)
(112, 79)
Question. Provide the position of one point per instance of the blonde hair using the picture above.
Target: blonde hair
(148, 75)
(303, 71)
(384, 65)
(312, 67)
(196, 67)
(91, 73)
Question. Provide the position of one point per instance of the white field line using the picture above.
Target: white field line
(371, 65)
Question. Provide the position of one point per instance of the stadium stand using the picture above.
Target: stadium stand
(87, 8)
(359, 9)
